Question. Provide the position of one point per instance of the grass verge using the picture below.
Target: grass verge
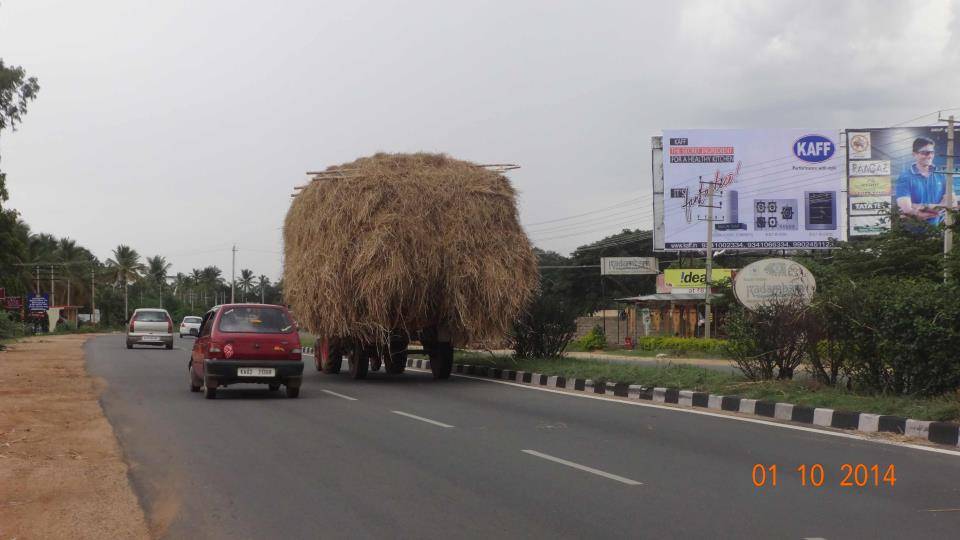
(686, 377)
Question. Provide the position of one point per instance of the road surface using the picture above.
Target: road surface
(405, 456)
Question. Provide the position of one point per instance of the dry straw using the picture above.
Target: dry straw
(406, 242)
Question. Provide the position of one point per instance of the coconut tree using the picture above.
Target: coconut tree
(75, 260)
(125, 268)
(245, 283)
(212, 279)
(156, 273)
(263, 282)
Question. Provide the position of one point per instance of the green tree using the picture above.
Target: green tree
(126, 268)
(16, 90)
(245, 283)
(263, 282)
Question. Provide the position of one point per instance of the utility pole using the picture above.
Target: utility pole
(948, 234)
(708, 315)
(93, 303)
(233, 273)
(38, 279)
(52, 292)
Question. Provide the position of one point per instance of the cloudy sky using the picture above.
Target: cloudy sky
(180, 127)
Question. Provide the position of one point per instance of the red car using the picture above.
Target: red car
(246, 343)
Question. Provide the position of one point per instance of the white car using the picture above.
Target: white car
(190, 326)
(150, 326)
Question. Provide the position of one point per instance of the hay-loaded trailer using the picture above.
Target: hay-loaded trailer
(399, 248)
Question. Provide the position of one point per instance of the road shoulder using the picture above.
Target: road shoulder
(62, 473)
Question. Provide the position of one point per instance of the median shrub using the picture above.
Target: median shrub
(593, 340)
(717, 347)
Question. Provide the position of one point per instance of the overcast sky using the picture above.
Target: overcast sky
(179, 127)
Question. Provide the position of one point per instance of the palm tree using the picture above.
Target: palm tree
(157, 268)
(246, 282)
(196, 279)
(125, 268)
(264, 283)
(212, 280)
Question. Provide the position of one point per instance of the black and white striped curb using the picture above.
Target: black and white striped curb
(946, 433)
(308, 350)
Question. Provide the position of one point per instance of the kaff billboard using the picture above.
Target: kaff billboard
(898, 170)
(773, 189)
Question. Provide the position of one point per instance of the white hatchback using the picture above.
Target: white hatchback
(150, 326)
(190, 326)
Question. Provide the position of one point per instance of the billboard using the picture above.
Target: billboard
(899, 170)
(628, 266)
(774, 188)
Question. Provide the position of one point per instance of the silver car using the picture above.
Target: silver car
(150, 326)
(190, 325)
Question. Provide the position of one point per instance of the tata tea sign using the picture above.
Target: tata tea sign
(772, 188)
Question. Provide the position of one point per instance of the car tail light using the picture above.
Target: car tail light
(131, 325)
(295, 354)
(216, 351)
(169, 326)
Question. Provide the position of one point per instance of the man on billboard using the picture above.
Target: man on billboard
(920, 191)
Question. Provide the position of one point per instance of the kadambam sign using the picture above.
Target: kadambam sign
(628, 266)
(769, 281)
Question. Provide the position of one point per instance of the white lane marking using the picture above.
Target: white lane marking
(422, 419)
(715, 415)
(332, 393)
(591, 470)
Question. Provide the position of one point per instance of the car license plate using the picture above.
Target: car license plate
(150, 338)
(255, 372)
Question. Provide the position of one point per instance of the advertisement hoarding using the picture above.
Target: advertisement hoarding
(899, 170)
(12, 303)
(773, 188)
(770, 281)
(628, 266)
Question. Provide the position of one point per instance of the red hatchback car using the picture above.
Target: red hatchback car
(246, 343)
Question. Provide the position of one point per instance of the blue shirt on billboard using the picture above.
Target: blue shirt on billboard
(922, 189)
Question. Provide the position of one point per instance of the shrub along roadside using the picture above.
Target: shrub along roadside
(807, 392)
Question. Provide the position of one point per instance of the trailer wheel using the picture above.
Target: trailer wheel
(359, 361)
(375, 363)
(441, 360)
(330, 358)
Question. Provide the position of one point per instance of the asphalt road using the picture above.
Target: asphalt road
(408, 457)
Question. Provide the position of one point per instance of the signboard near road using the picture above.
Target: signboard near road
(628, 266)
(38, 302)
(773, 280)
(773, 188)
(12, 303)
(899, 170)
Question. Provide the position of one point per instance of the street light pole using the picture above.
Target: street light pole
(233, 273)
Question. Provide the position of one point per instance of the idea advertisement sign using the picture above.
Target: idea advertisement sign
(899, 170)
(690, 280)
(772, 188)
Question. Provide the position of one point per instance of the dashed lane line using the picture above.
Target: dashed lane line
(422, 419)
(590, 470)
(332, 393)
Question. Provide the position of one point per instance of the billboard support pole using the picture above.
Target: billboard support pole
(708, 315)
(948, 233)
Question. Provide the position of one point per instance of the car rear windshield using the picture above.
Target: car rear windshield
(192, 320)
(150, 316)
(257, 320)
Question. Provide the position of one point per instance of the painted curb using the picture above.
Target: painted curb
(942, 433)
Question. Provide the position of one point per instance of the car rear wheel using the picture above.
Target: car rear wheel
(195, 383)
(170, 346)
(129, 345)
(209, 393)
(293, 392)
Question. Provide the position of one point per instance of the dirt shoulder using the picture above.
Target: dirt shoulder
(62, 474)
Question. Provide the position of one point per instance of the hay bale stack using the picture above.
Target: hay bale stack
(407, 241)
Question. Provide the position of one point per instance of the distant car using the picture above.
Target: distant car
(150, 326)
(246, 343)
(190, 326)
